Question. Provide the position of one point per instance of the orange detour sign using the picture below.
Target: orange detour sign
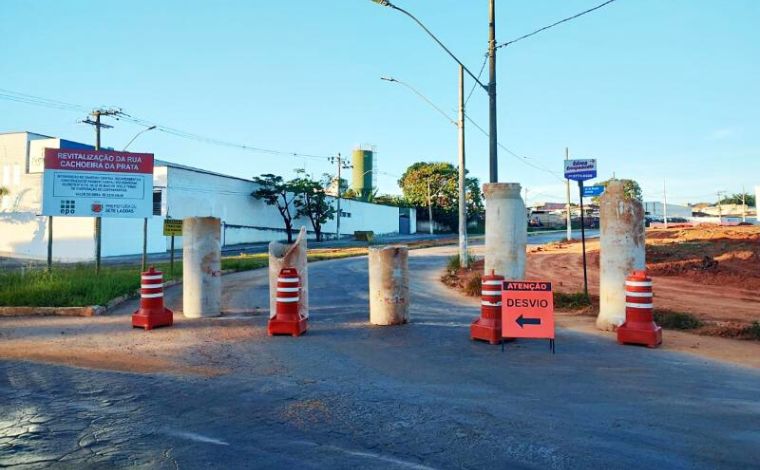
(527, 310)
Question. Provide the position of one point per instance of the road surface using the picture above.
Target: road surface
(347, 395)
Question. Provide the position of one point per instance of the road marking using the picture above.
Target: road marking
(197, 437)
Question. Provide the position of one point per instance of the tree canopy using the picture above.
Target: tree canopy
(311, 201)
(439, 181)
(749, 199)
(631, 190)
(275, 191)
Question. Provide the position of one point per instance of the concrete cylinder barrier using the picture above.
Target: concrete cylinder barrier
(389, 285)
(281, 256)
(202, 267)
(622, 250)
(506, 230)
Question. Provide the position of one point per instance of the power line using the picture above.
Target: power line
(569, 18)
(475, 85)
(25, 98)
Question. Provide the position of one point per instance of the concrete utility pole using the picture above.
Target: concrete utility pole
(720, 209)
(567, 206)
(341, 165)
(492, 141)
(463, 258)
(430, 208)
(665, 203)
(744, 205)
(97, 114)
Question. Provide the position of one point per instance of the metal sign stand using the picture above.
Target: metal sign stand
(583, 242)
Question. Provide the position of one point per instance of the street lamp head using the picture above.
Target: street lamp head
(384, 3)
(151, 128)
(388, 79)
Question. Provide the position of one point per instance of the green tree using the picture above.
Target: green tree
(631, 190)
(311, 201)
(748, 199)
(391, 200)
(4, 192)
(275, 191)
(438, 183)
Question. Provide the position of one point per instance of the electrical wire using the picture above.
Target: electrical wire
(25, 98)
(569, 18)
(475, 85)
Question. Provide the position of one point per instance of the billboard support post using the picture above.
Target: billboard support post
(583, 242)
(145, 245)
(50, 244)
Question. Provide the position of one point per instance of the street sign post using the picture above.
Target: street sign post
(580, 170)
(172, 228)
(527, 310)
(593, 191)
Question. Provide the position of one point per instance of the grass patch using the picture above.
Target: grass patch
(751, 332)
(676, 320)
(574, 301)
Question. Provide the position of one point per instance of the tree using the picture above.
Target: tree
(438, 183)
(274, 191)
(391, 200)
(739, 199)
(631, 190)
(311, 201)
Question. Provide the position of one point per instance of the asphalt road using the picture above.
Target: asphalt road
(417, 396)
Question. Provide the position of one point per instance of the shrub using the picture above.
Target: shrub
(574, 301)
(752, 331)
(676, 320)
(473, 285)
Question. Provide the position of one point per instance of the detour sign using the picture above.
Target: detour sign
(527, 310)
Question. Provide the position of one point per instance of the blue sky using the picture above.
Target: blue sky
(653, 89)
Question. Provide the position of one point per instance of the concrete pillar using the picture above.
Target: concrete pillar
(389, 285)
(282, 255)
(201, 267)
(506, 230)
(622, 250)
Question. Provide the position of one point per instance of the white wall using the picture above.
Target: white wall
(657, 209)
(186, 193)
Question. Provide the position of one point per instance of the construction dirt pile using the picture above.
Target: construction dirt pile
(706, 279)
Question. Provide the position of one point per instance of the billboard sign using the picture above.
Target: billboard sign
(593, 191)
(580, 170)
(527, 309)
(97, 183)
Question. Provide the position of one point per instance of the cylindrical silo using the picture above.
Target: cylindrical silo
(622, 250)
(362, 174)
(506, 230)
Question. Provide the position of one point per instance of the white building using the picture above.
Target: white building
(656, 210)
(179, 191)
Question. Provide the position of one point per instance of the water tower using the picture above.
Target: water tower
(363, 175)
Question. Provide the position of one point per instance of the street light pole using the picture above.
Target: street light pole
(463, 258)
(490, 88)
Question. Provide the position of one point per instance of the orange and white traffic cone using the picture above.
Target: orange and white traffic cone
(639, 326)
(287, 319)
(488, 326)
(152, 313)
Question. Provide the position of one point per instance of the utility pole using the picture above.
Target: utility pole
(97, 114)
(341, 165)
(665, 203)
(430, 208)
(720, 209)
(744, 205)
(492, 141)
(463, 258)
(567, 206)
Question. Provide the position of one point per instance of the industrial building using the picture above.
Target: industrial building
(179, 191)
(656, 210)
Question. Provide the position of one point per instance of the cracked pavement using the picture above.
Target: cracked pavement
(420, 395)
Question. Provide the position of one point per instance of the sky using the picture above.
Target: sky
(666, 92)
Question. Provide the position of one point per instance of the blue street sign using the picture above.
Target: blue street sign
(591, 191)
(580, 170)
